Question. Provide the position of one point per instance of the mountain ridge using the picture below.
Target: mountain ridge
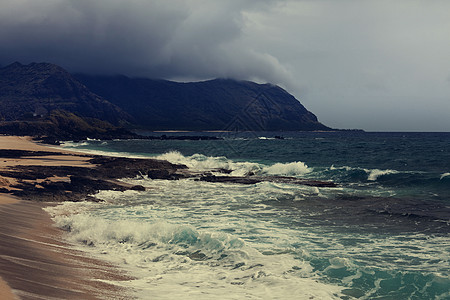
(37, 89)
(217, 104)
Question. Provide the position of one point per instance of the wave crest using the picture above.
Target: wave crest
(444, 175)
(137, 235)
(375, 173)
(200, 162)
(372, 174)
(290, 169)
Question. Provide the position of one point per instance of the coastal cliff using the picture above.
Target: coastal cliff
(43, 99)
(219, 104)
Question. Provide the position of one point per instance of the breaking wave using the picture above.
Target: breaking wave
(363, 173)
(444, 175)
(192, 263)
(376, 173)
(200, 162)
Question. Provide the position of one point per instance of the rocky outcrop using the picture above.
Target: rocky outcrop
(35, 182)
(38, 183)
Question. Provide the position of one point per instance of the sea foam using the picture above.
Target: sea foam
(444, 175)
(171, 260)
(374, 174)
(200, 162)
(83, 147)
(291, 169)
(198, 240)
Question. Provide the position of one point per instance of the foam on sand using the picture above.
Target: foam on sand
(34, 260)
(190, 262)
(37, 264)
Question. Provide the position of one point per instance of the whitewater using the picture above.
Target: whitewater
(382, 233)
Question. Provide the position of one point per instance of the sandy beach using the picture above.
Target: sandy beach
(35, 261)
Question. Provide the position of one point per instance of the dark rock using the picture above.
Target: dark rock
(159, 174)
(168, 174)
(184, 137)
(230, 179)
(300, 181)
(138, 188)
(49, 140)
(85, 182)
(13, 153)
(92, 185)
(119, 167)
(197, 256)
(257, 179)
(223, 171)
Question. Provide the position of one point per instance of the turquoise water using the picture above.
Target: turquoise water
(383, 233)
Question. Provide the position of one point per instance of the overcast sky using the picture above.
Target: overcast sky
(376, 65)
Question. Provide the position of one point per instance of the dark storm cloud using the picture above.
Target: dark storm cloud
(192, 39)
(89, 35)
(377, 65)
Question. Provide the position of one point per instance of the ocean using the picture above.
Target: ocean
(382, 233)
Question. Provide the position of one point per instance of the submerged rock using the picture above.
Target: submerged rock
(257, 179)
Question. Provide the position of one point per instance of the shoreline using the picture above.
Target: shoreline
(6, 292)
(35, 260)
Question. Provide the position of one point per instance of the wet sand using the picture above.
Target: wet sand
(5, 291)
(35, 260)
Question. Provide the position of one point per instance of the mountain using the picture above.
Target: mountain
(220, 104)
(45, 99)
(39, 88)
